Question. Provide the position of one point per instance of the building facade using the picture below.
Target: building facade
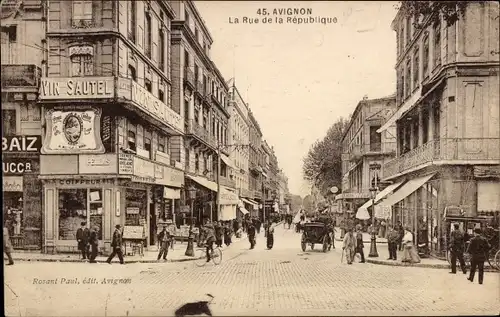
(364, 153)
(201, 95)
(108, 121)
(22, 121)
(254, 164)
(448, 122)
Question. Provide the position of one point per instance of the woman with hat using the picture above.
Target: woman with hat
(410, 254)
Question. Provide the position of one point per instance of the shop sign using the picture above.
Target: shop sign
(143, 168)
(84, 181)
(132, 210)
(14, 166)
(12, 183)
(171, 177)
(130, 90)
(97, 164)
(125, 164)
(77, 88)
(158, 171)
(73, 132)
(21, 143)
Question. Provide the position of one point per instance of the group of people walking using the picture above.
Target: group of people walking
(88, 242)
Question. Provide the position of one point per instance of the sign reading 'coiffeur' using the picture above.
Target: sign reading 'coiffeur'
(77, 88)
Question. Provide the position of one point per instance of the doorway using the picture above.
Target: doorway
(152, 224)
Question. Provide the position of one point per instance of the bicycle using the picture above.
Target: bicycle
(215, 256)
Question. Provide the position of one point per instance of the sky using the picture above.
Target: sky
(299, 79)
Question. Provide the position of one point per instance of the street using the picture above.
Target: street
(282, 281)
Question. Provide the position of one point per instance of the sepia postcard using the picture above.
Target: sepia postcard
(250, 158)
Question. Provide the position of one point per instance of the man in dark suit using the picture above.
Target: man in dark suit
(164, 238)
(94, 243)
(478, 250)
(457, 249)
(116, 244)
(82, 237)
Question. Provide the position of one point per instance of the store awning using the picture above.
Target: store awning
(227, 161)
(362, 214)
(227, 212)
(406, 190)
(386, 191)
(243, 210)
(250, 202)
(171, 193)
(204, 182)
(227, 197)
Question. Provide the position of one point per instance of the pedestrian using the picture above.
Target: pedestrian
(270, 235)
(392, 243)
(7, 245)
(94, 244)
(349, 245)
(359, 243)
(227, 234)
(251, 235)
(219, 234)
(164, 239)
(410, 254)
(258, 225)
(210, 240)
(457, 249)
(333, 230)
(478, 250)
(116, 244)
(82, 237)
(401, 232)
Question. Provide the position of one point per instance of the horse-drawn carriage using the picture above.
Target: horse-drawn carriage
(316, 233)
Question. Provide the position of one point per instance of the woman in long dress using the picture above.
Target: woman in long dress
(410, 254)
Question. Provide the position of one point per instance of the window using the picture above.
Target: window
(147, 22)
(425, 57)
(132, 73)
(205, 119)
(375, 139)
(197, 34)
(186, 17)
(9, 37)
(408, 30)
(437, 45)
(197, 162)
(213, 126)
(9, 122)
(82, 60)
(132, 22)
(161, 95)
(408, 79)
(197, 115)
(161, 52)
(416, 66)
(77, 206)
(186, 60)
(131, 142)
(402, 85)
(147, 143)
(161, 143)
(147, 84)
(186, 159)
(82, 10)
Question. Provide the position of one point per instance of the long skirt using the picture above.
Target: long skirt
(270, 240)
(410, 254)
(227, 239)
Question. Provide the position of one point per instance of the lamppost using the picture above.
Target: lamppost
(190, 248)
(373, 243)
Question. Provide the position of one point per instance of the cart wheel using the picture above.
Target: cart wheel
(303, 246)
(496, 260)
(312, 246)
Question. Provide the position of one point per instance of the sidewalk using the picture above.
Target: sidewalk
(150, 256)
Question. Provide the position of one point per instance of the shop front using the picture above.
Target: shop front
(228, 203)
(22, 195)
(204, 203)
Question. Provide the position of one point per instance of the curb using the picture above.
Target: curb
(420, 265)
(104, 261)
(364, 241)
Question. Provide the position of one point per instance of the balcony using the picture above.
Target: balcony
(245, 193)
(445, 152)
(194, 129)
(358, 151)
(82, 23)
(216, 101)
(20, 76)
(257, 194)
(227, 182)
(189, 78)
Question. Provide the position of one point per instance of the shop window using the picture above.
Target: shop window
(136, 207)
(13, 212)
(9, 122)
(132, 21)
(147, 143)
(77, 206)
(82, 60)
(161, 143)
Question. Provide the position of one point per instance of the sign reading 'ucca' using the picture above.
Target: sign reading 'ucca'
(77, 88)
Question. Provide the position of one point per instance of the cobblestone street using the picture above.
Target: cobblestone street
(282, 281)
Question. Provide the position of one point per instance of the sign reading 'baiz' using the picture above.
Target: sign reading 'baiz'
(21, 143)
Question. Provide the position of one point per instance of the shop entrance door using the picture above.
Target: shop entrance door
(152, 224)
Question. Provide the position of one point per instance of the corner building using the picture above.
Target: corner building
(107, 155)
(447, 125)
(200, 94)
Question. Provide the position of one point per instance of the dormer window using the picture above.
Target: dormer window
(82, 60)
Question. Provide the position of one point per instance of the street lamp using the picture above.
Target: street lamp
(373, 243)
(190, 248)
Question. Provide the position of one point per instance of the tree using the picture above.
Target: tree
(323, 164)
(451, 11)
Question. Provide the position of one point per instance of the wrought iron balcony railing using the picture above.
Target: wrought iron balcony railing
(226, 181)
(82, 23)
(446, 151)
(361, 150)
(20, 76)
(193, 128)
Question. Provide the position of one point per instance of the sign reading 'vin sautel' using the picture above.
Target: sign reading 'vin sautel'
(77, 88)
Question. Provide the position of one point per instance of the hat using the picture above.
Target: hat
(83, 223)
(358, 227)
(118, 226)
(477, 230)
